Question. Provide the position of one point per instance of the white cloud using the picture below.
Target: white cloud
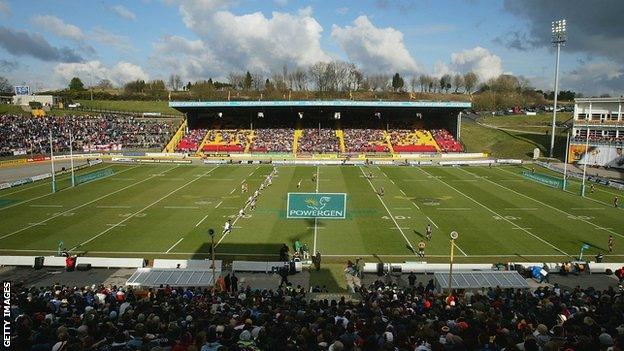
(197, 14)
(58, 27)
(191, 59)
(230, 42)
(593, 78)
(342, 10)
(281, 3)
(478, 60)
(119, 74)
(440, 68)
(123, 12)
(119, 42)
(598, 70)
(375, 49)
(5, 10)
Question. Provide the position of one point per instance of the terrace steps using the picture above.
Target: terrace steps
(298, 133)
(250, 139)
(340, 136)
(172, 145)
(388, 142)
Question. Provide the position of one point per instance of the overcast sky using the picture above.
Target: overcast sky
(45, 43)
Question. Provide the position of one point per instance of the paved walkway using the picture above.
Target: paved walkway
(601, 172)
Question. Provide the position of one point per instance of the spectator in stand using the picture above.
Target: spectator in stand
(321, 141)
(31, 134)
(364, 140)
(273, 140)
(383, 317)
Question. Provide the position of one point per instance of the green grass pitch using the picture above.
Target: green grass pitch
(165, 210)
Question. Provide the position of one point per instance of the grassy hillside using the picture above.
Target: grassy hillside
(500, 143)
(131, 106)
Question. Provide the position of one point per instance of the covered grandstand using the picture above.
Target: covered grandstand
(318, 127)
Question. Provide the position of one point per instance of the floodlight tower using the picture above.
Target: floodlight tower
(558, 40)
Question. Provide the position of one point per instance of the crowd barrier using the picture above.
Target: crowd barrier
(17, 261)
(104, 262)
(264, 267)
(191, 264)
(54, 261)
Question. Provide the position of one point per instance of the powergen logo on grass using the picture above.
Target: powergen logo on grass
(544, 179)
(317, 205)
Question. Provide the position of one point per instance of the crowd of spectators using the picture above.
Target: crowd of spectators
(191, 140)
(381, 316)
(446, 141)
(364, 140)
(235, 137)
(595, 139)
(318, 140)
(31, 134)
(273, 139)
(402, 137)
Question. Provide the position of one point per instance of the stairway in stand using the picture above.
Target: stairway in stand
(298, 133)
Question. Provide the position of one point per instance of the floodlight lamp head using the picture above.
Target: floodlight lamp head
(300, 115)
(260, 114)
(336, 115)
(220, 114)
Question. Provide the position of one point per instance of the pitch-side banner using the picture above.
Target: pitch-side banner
(612, 156)
(317, 205)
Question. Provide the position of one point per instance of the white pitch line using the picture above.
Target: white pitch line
(402, 208)
(460, 250)
(392, 181)
(315, 218)
(45, 183)
(235, 220)
(390, 213)
(382, 172)
(399, 228)
(453, 208)
(521, 228)
(200, 222)
(182, 207)
(141, 210)
(416, 205)
(86, 203)
(587, 208)
(112, 206)
(219, 204)
(520, 209)
(233, 190)
(273, 254)
(55, 206)
(115, 225)
(44, 195)
(495, 213)
(251, 173)
(174, 245)
(549, 206)
(432, 222)
(402, 192)
(37, 223)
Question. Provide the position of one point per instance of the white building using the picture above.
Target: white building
(603, 120)
(24, 100)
